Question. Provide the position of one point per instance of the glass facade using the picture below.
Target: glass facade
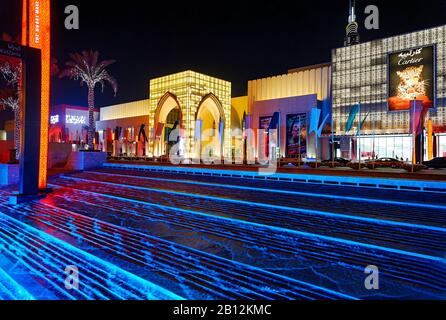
(360, 74)
(442, 145)
(393, 146)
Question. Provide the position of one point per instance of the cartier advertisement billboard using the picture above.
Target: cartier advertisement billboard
(411, 76)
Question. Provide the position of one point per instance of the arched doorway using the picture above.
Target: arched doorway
(168, 117)
(210, 119)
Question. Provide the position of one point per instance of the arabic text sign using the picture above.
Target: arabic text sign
(10, 50)
(74, 119)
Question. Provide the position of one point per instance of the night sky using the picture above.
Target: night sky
(233, 40)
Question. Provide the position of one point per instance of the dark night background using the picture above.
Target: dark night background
(233, 40)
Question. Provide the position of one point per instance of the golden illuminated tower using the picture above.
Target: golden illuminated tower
(36, 33)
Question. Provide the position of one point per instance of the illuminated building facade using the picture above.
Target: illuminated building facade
(198, 106)
(292, 95)
(69, 123)
(363, 73)
(130, 117)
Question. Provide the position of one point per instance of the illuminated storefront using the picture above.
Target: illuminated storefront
(198, 107)
(122, 128)
(383, 76)
(69, 124)
(188, 110)
(292, 96)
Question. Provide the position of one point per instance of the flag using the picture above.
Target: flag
(416, 110)
(274, 124)
(351, 118)
(314, 120)
(142, 132)
(221, 128)
(319, 130)
(159, 129)
(244, 121)
(363, 122)
(198, 128)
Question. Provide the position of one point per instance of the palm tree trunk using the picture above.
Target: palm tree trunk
(91, 123)
(17, 132)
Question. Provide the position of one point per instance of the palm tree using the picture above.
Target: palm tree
(85, 66)
(12, 76)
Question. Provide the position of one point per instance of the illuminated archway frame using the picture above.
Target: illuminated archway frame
(36, 33)
(163, 109)
(190, 88)
(217, 111)
(166, 104)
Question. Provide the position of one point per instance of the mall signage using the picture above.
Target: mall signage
(411, 75)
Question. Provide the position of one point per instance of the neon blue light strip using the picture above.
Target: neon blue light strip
(154, 289)
(299, 210)
(12, 288)
(201, 252)
(280, 229)
(400, 203)
(131, 231)
(323, 178)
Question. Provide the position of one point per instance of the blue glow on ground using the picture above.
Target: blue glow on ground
(319, 195)
(314, 212)
(288, 279)
(11, 290)
(147, 289)
(301, 233)
(300, 176)
(192, 244)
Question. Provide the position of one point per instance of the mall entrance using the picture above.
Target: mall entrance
(209, 128)
(168, 118)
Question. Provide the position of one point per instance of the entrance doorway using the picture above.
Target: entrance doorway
(168, 118)
(210, 119)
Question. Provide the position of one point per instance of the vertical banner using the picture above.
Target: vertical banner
(221, 134)
(430, 140)
(296, 135)
(249, 141)
(314, 120)
(264, 122)
(198, 129)
(36, 33)
(416, 112)
(411, 76)
(262, 140)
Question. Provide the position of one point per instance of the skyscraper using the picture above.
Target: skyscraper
(352, 35)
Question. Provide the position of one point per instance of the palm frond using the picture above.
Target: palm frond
(87, 68)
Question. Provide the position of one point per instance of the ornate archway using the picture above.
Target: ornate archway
(168, 116)
(210, 119)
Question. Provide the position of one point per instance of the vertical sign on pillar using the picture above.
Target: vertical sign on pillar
(36, 33)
